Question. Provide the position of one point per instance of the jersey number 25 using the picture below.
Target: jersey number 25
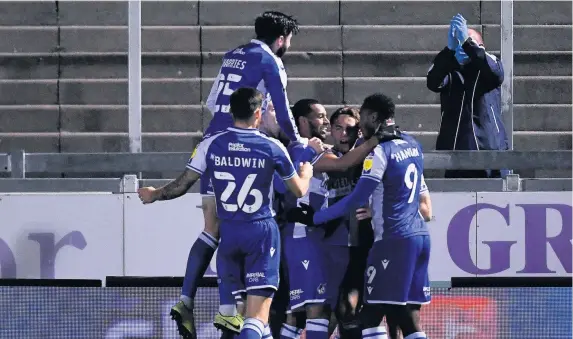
(224, 87)
(245, 191)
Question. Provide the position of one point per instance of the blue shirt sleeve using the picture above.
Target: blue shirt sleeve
(278, 184)
(274, 85)
(283, 164)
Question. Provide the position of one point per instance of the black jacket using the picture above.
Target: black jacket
(470, 100)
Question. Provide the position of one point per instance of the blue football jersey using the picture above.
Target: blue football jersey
(241, 164)
(251, 65)
(397, 166)
(317, 195)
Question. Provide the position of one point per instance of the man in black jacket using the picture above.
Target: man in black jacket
(468, 80)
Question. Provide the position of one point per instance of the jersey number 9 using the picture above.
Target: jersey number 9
(411, 184)
(245, 191)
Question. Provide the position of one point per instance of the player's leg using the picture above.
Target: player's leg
(392, 275)
(419, 293)
(260, 241)
(198, 260)
(231, 287)
(391, 264)
(337, 262)
(294, 324)
(308, 284)
(351, 295)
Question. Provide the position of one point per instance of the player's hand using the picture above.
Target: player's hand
(305, 170)
(303, 214)
(363, 213)
(316, 145)
(147, 195)
(387, 133)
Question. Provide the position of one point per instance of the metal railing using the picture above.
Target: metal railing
(20, 163)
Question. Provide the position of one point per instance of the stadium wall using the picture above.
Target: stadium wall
(94, 235)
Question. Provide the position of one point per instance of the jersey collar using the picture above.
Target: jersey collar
(243, 130)
(263, 46)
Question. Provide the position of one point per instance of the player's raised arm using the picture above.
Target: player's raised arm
(331, 163)
(372, 173)
(275, 87)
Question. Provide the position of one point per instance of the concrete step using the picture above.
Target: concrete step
(195, 118)
(527, 90)
(29, 39)
(243, 13)
(529, 12)
(74, 39)
(115, 39)
(28, 13)
(153, 13)
(299, 64)
(96, 142)
(441, 12)
(211, 13)
(427, 38)
(185, 142)
(404, 64)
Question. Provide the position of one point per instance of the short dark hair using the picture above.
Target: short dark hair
(303, 108)
(244, 102)
(346, 110)
(381, 104)
(270, 25)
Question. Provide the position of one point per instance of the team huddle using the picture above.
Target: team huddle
(340, 228)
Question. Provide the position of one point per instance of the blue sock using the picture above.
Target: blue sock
(199, 258)
(290, 332)
(267, 332)
(317, 328)
(417, 335)
(252, 329)
(375, 333)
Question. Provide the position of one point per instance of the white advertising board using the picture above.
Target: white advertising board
(95, 235)
(158, 236)
(65, 236)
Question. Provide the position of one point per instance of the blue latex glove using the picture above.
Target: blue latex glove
(461, 56)
(452, 41)
(460, 28)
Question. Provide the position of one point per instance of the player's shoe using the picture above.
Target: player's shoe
(232, 323)
(185, 320)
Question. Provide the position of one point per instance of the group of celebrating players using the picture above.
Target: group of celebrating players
(343, 225)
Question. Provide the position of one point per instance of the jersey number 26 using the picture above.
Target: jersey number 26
(245, 191)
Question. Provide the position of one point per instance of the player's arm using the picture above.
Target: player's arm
(425, 201)
(331, 163)
(178, 187)
(372, 173)
(297, 183)
(274, 85)
(437, 78)
(212, 98)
